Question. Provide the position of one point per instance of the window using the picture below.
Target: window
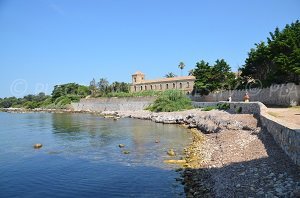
(187, 85)
(145, 87)
(180, 85)
(167, 86)
(174, 86)
(134, 88)
(134, 79)
(141, 87)
(160, 86)
(151, 87)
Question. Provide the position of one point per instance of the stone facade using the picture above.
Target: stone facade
(184, 83)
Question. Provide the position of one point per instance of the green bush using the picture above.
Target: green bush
(239, 110)
(223, 106)
(171, 100)
(208, 108)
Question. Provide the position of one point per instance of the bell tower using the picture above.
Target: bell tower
(138, 77)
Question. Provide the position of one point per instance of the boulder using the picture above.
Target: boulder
(37, 146)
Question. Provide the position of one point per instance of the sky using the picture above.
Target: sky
(49, 42)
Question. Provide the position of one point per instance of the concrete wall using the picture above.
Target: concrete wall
(113, 104)
(285, 94)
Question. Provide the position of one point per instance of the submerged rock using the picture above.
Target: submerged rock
(121, 145)
(126, 152)
(37, 146)
(171, 152)
(175, 161)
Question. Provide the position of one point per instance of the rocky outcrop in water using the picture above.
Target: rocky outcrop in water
(207, 122)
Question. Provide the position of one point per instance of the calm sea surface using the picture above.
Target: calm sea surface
(80, 156)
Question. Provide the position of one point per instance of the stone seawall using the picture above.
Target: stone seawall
(113, 104)
(286, 135)
(284, 94)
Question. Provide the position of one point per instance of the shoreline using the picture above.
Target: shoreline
(230, 155)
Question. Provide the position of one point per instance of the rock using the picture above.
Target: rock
(37, 146)
(121, 145)
(126, 152)
(179, 169)
(175, 161)
(156, 141)
(238, 185)
(247, 128)
(116, 118)
(278, 190)
(171, 152)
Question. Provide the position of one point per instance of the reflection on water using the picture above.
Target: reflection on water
(81, 157)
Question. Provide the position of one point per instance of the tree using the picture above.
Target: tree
(278, 60)
(103, 85)
(93, 87)
(202, 73)
(181, 66)
(170, 75)
(191, 72)
(212, 78)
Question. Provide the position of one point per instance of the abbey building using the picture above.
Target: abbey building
(184, 83)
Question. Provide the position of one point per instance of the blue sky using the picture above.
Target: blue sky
(49, 42)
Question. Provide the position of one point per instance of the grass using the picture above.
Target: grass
(209, 108)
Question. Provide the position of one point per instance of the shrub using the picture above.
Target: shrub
(223, 106)
(239, 110)
(171, 100)
(209, 108)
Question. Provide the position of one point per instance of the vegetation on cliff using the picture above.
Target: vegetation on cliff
(171, 100)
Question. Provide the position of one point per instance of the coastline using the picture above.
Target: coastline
(230, 156)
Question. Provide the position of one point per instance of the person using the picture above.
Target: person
(246, 97)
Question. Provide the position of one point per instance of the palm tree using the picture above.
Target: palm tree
(181, 66)
(170, 75)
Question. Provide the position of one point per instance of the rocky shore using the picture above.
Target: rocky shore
(230, 156)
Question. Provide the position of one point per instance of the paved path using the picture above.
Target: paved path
(291, 115)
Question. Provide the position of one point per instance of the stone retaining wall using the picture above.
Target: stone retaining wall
(287, 136)
(113, 104)
(284, 94)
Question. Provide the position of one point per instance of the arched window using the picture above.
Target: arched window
(160, 86)
(174, 86)
(187, 84)
(134, 79)
(167, 86)
(135, 88)
(180, 85)
(141, 87)
(151, 87)
(145, 87)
